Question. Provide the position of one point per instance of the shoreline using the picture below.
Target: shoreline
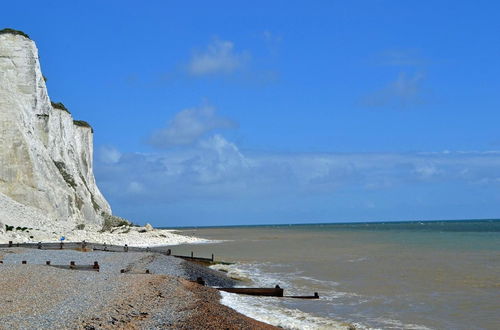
(132, 236)
(165, 298)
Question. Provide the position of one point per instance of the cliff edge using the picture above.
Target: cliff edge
(45, 155)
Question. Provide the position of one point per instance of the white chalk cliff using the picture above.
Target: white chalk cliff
(45, 156)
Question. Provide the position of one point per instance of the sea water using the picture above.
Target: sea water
(406, 275)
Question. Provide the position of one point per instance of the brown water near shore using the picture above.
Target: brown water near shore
(401, 278)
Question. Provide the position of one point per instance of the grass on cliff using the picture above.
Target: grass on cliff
(15, 32)
(111, 221)
(83, 123)
(60, 106)
(66, 176)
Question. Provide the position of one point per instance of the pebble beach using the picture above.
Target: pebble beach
(35, 295)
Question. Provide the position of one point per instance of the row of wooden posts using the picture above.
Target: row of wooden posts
(103, 247)
(73, 265)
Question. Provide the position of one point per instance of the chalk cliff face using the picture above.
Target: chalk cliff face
(45, 157)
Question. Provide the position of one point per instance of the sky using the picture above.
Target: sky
(264, 112)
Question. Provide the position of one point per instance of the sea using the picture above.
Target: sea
(383, 275)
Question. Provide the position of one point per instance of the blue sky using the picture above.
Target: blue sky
(209, 113)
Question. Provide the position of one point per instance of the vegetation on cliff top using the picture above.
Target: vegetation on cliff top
(60, 106)
(83, 123)
(16, 32)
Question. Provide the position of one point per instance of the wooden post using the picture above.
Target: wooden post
(169, 252)
(125, 248)
(39, 245)
(212, 257)
(72, 264)
(47, 262)
(61, 245)
(10, 243)
(96, 265)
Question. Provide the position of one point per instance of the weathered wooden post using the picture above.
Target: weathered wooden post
(212, 257)
(39, 245)
(125, 248)
(192, 254)
(47, 262)
(10, 243)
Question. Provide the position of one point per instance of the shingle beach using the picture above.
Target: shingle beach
(36, 296)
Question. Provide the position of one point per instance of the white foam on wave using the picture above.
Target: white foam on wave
(270, 309)
(322, 282)
(232, 272)
(266, 310)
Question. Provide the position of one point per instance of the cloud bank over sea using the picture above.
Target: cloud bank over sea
(195, 164)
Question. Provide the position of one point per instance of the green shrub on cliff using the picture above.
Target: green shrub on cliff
(60, 106)
(16, 32)
(83, 123)
(111, 221)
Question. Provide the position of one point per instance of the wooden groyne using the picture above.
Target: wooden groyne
(87, 246)
(267, 292)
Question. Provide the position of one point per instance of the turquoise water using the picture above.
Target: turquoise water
(405, 275)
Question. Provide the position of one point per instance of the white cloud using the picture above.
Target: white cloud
(135, 188)
(271, 37)
(188, 126)
(216, 168)
(219, 57)
(428, 171)
(403, 92)
(109, 155)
